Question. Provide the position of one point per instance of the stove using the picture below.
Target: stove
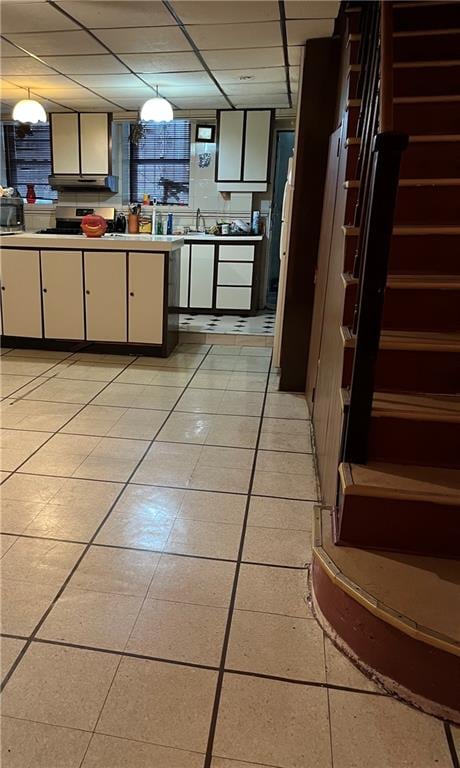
(68, 219)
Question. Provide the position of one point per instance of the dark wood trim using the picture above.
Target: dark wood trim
(243, 146)
(316, 123)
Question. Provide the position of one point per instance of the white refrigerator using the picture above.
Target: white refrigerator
(284, 254)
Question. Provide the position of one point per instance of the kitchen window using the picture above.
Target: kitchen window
(160, 163)
(28, 159)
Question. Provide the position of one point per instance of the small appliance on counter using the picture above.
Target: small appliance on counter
(93, 225)
(120, 223)
(69, 219)
(11, 214)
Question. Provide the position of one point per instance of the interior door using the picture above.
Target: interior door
(63, 297)
(21, 296)
(146, 296)
(105, 295)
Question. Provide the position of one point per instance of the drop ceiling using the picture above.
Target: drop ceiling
(109, 55)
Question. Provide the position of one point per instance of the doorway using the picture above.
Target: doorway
(284, 148)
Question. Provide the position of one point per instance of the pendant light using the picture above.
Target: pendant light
(29, 111)
(157, 110)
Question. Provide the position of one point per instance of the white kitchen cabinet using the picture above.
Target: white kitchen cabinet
(145, 315)
(243, 150)
(80, 143)
(94, 142)
(234, 273)
(105, 295)
(63, 298)
(21, 294)
(237, 252)
(229, 297)
(65, 142)
(201, 275)
(184, 275)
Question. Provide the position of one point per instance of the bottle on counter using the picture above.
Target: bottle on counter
(159, 227)
(169, 224)
(255, 228)
(145, 220)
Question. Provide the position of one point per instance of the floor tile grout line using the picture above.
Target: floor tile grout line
(33, 378)
(328, 699)
(226, 640)
(451, 746)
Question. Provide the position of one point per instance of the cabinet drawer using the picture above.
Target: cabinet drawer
(233, 298)
(234, 273)
(236, 252)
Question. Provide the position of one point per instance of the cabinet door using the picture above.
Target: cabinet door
(62, 280)
(257, 145)
(146, 297)
(65, 142)
(201, 275)
(94, 142)
(184, 275)
(105, 295)
(230, 147)
(21, 296)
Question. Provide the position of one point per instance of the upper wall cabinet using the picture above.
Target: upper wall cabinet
(243, 149)
(81, 142)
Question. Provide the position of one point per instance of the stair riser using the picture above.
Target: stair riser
(439, 16)
(427, 47)
(427, 81)
(402, 525)
(407, 441)
(402, 370)
(421, 160)
(412, 309)
(416, 254)
(427, 205)
(353, 79)
(417, 119)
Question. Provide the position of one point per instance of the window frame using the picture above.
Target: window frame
(13, 164)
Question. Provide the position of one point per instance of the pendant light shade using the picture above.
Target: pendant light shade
(157, 110)
(29, 111)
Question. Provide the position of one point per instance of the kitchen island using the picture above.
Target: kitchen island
(116, 292)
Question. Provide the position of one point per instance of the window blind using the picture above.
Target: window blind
(160, 163)
(28, 160)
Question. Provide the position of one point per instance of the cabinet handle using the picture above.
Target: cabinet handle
(3, 288)
(45, 290)
(86, 291)
(131, 293)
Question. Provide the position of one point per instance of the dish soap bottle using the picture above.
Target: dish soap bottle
(159, 224)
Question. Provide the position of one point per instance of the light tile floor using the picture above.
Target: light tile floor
(156, 525)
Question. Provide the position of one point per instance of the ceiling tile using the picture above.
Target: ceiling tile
(141, 39)
(106, 81)
(123, 13)
(94, 65)
(238, 59)
(42, 81)
(24, 65)
(161, 62)
(224, 36)
(294, 74)
(6, 49)
(212, 102)
(173, 92)
(32, 17)
(295, 54)
(178, 78)
(263, 88)
(134, 94)
(262, 75)
(270, 102)
(54, 43)
(305, 29)
(225, 12)
(311, 9)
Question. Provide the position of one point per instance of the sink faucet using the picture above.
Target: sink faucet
(197, 221)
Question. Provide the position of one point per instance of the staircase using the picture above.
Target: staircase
(407, 495)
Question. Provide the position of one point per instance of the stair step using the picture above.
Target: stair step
(425, 45)
(428, 201)
(427, 78)
(425, 250)
(413, 302)
(411, 361)
(425, 16)
(414, 429)
(426, 157)
(400, 507)
(417, 115)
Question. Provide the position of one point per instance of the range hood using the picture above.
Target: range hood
(86, 182)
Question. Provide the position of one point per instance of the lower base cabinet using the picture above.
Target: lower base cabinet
(105, 295)
(145, 314)
(233, 297)
(63, 307)
(201, 276)
(21, 294)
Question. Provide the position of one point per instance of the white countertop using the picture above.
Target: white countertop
(115, 242)
(227, 238)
